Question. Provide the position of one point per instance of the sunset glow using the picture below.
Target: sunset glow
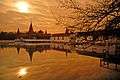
(22, 72)
(22, 6)
(60, 39)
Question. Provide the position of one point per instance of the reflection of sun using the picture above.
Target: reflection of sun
(22, 72)
(22, 6)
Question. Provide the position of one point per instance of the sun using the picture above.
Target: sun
(22, 6)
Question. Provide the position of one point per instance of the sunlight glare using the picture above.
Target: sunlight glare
(22, 6)
(22, 72)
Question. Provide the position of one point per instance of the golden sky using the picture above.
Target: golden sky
(19, 13)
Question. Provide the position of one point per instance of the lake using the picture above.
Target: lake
(49, 61)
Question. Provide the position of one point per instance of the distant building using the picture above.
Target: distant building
(31, 31)
(99, 36)
(40, 32)
(31, 34)
(18, 34)
(61, 37)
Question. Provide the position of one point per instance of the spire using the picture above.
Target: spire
(31, 28)
(18, 33)
(66, 30)
(45, 31)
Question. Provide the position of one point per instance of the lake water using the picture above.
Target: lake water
(54, 62)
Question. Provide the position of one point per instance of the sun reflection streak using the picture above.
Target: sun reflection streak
(22, 72)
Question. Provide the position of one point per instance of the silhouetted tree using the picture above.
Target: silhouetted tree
(91, 17)
(7, 36)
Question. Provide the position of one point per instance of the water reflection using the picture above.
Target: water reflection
(34, 48)
(46, 60)
(109, 56)
(22, 72)
(110, 62)
(31, 49)
(18, 49)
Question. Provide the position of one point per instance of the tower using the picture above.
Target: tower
(18, 34)
(66, 30)
(45, 31)
(31, 28)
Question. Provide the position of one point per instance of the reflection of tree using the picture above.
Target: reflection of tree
(109, 60)
(7, 36)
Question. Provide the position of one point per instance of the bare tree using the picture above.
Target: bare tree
(99, 14)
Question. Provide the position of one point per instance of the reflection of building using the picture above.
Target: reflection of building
(105, 57)
(110, 62)
(39, 48)
(18, 49)
(61, 47)
(30, 51)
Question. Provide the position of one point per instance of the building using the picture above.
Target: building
(31, 34)
(99, 36)
(61, 37)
